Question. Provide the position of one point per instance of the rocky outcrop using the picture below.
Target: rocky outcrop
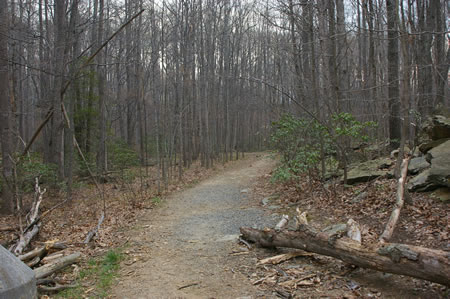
(433, 167)
(368, 170)
(426, 146)
(417, 164)
(439, 158)
(438, 174)
(439, 127)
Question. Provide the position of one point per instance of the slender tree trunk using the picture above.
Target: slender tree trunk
(101, 75)
(393, 86)
(7, 199)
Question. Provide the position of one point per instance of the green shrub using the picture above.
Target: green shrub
(297, 141)
(302, 142)
(121, 155)
(28, 170)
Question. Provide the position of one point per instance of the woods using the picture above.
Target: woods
(190, 80)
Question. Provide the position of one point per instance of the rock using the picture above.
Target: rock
(438, 175)
(439, 128)
(418, 164)
(17, 280)
(440, 164)
(425, 147)
(368, 170)
(421, 182)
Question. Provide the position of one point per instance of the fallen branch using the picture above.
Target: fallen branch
(45, 281)
(25, 239)
(283, 257)
(33, 262)
(50, 258)
(188, 285)
(42, 250)
(92, 233)
(8, 228)
(392, 222)
(39, 218)
(33, 223)
(61, 263)
(424, 263)
(56, 288)
(37, 252)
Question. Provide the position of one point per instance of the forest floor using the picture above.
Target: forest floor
(184, 243)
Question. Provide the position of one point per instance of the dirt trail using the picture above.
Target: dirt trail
(182, 249)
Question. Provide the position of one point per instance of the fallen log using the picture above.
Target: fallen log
(41, 251)
(50, 258)
(390, 226)
(61, 263)
(424, 263)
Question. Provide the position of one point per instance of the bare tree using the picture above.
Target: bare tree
(6, 117)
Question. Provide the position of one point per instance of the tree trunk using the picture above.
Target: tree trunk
(424, 263)
(7, 200)
(393, 86)
(101, 70)
(56, 141)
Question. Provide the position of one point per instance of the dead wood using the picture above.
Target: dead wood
(61, 263)
(33, 262)
(283, 257)
(57, 288)
(25, 239)
(45, 281)
(283, 223)
(188, 285)
(37, 252)
(8, 228)
(424, 263)
(42, 250)
(392, 222)
(50, 258)
(92, 233)
(32, 220)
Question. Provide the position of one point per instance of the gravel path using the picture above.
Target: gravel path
(182, 249)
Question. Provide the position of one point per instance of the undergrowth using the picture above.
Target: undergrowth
(99, 273)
